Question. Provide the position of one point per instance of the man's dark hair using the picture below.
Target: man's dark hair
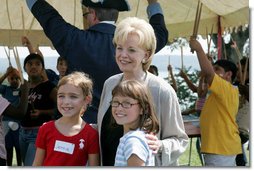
(154, 70)
(106, 14)
(32, 56)
(227, 66)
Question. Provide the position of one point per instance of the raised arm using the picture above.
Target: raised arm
(5, 75)
(26, 42)
(205, 64)
(174, 85)
(202, 87)
(156, 19)
(190, 84)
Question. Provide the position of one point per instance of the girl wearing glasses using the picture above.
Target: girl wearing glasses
(132, 107)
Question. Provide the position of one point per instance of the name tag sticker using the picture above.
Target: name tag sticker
(15, 93)
(64, 147)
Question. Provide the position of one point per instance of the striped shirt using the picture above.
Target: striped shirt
(134, 142)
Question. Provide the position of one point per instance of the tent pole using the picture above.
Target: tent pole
(219, 40)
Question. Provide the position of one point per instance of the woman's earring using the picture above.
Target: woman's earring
(143, 61)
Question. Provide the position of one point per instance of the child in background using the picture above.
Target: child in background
(61, 66)
(220, 141)
(11, 126)
(132, 107)
(243, 116)
(6, 109)
(69, 141)
(41, 104)
(48, 74)
(171, 79)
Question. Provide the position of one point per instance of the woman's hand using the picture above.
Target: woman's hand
(154, 144)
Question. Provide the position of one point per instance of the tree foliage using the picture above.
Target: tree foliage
(185, 96)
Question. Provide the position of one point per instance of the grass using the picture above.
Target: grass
(195, 161)
(183, 161)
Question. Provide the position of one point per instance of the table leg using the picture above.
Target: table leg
(190, 152)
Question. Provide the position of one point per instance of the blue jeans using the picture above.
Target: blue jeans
(27, 139)
(215, 160)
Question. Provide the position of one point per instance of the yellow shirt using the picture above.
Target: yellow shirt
(219, 130)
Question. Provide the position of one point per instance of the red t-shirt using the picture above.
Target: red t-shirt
(67, 151)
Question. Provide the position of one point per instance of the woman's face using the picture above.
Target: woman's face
(129, 55)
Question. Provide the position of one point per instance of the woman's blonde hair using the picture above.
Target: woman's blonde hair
(134, 89)
(145, 32)
(78, 79)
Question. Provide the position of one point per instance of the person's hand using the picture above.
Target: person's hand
(153, 143)
(9, 70)
(169, 67)
(152, 1)
(194, 44)
(24, 87)
(25, 41)
(182, 74)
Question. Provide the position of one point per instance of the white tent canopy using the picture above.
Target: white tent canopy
(179, 16)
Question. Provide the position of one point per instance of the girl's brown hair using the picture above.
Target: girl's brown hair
(130, 88)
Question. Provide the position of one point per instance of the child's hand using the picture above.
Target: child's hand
(169, 67)
(25, 41)
(9, 70)
(194, 44)
(182, 74)
(24, 86)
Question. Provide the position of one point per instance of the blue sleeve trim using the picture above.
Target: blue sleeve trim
(30, 3)
(154, 8)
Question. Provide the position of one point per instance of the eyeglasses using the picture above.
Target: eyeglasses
(125, 105)
(86, 13)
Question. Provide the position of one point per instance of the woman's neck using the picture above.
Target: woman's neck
(140, 76)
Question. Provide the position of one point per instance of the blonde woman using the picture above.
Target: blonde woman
(135, 43)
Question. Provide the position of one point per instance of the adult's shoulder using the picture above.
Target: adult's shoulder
(113, 80)
(157, 82)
